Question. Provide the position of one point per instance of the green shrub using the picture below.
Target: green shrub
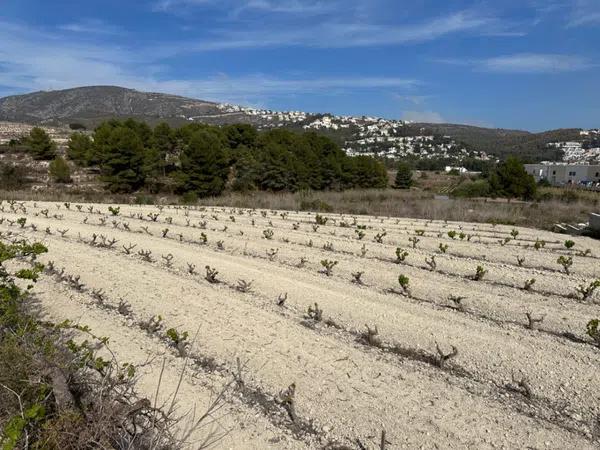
(404, 281)
(593, 330)
(59, 171)
(13, 177)
(468, 189)
(479, 273)
(321, 220)
(315, 205)
(40, 144)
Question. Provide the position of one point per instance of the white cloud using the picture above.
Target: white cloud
(238, 6)
(535, 63)
(584, 13)
(345, 34)
(91, 26)
(524, 63)
(423, 117)
(324, 24)
(32, 60)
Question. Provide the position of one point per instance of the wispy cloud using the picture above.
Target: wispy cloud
(536, 63)
(91, 26)
(246, 24)
(237, 6)
(584, 13)
(345, 34)
(525, 63)
(573, 13)
(32, 60)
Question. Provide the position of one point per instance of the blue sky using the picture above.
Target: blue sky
(528, 64)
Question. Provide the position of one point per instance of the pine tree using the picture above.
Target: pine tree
(510, 179)
(40, 144)
(277, 168)
(79, 148)
(59, 170)
(403, 176)
(122, 160)
(204, 165)
(368, 173)
(246, 170)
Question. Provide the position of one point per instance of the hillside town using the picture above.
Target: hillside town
(586, 151)
(365, 135)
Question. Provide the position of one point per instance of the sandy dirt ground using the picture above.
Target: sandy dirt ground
(455, 363)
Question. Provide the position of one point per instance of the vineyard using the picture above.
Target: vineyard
(334, 331)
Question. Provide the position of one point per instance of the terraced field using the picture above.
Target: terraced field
(335, 328)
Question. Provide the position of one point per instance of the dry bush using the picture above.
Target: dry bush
(244, 286)
(281, 298)
(528, 284)
(443, 358)
(532, 321)
(431, 263)
(371, 336)
(357, 278)
(414, 241)
(457, 301)
(315, 313)
(522, 386)
(211, 275)
(588, 291)
(146, 255)
(379, 237)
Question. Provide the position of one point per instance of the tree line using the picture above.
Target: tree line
(202, 160)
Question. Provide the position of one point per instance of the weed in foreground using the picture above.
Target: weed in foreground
(211, 275)
(357, 278)
(244, 286)
(328, 266)
(588, 291)
(528, 284)
(404, 281)
(281, 298)
(593, 330)
(480, 272)
(565, 262)
(371, 336)
(533, 321)
(400, 255)
(443, 358)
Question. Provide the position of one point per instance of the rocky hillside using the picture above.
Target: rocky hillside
(89, 105)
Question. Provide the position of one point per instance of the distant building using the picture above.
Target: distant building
(456, 169)
(560, 174)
